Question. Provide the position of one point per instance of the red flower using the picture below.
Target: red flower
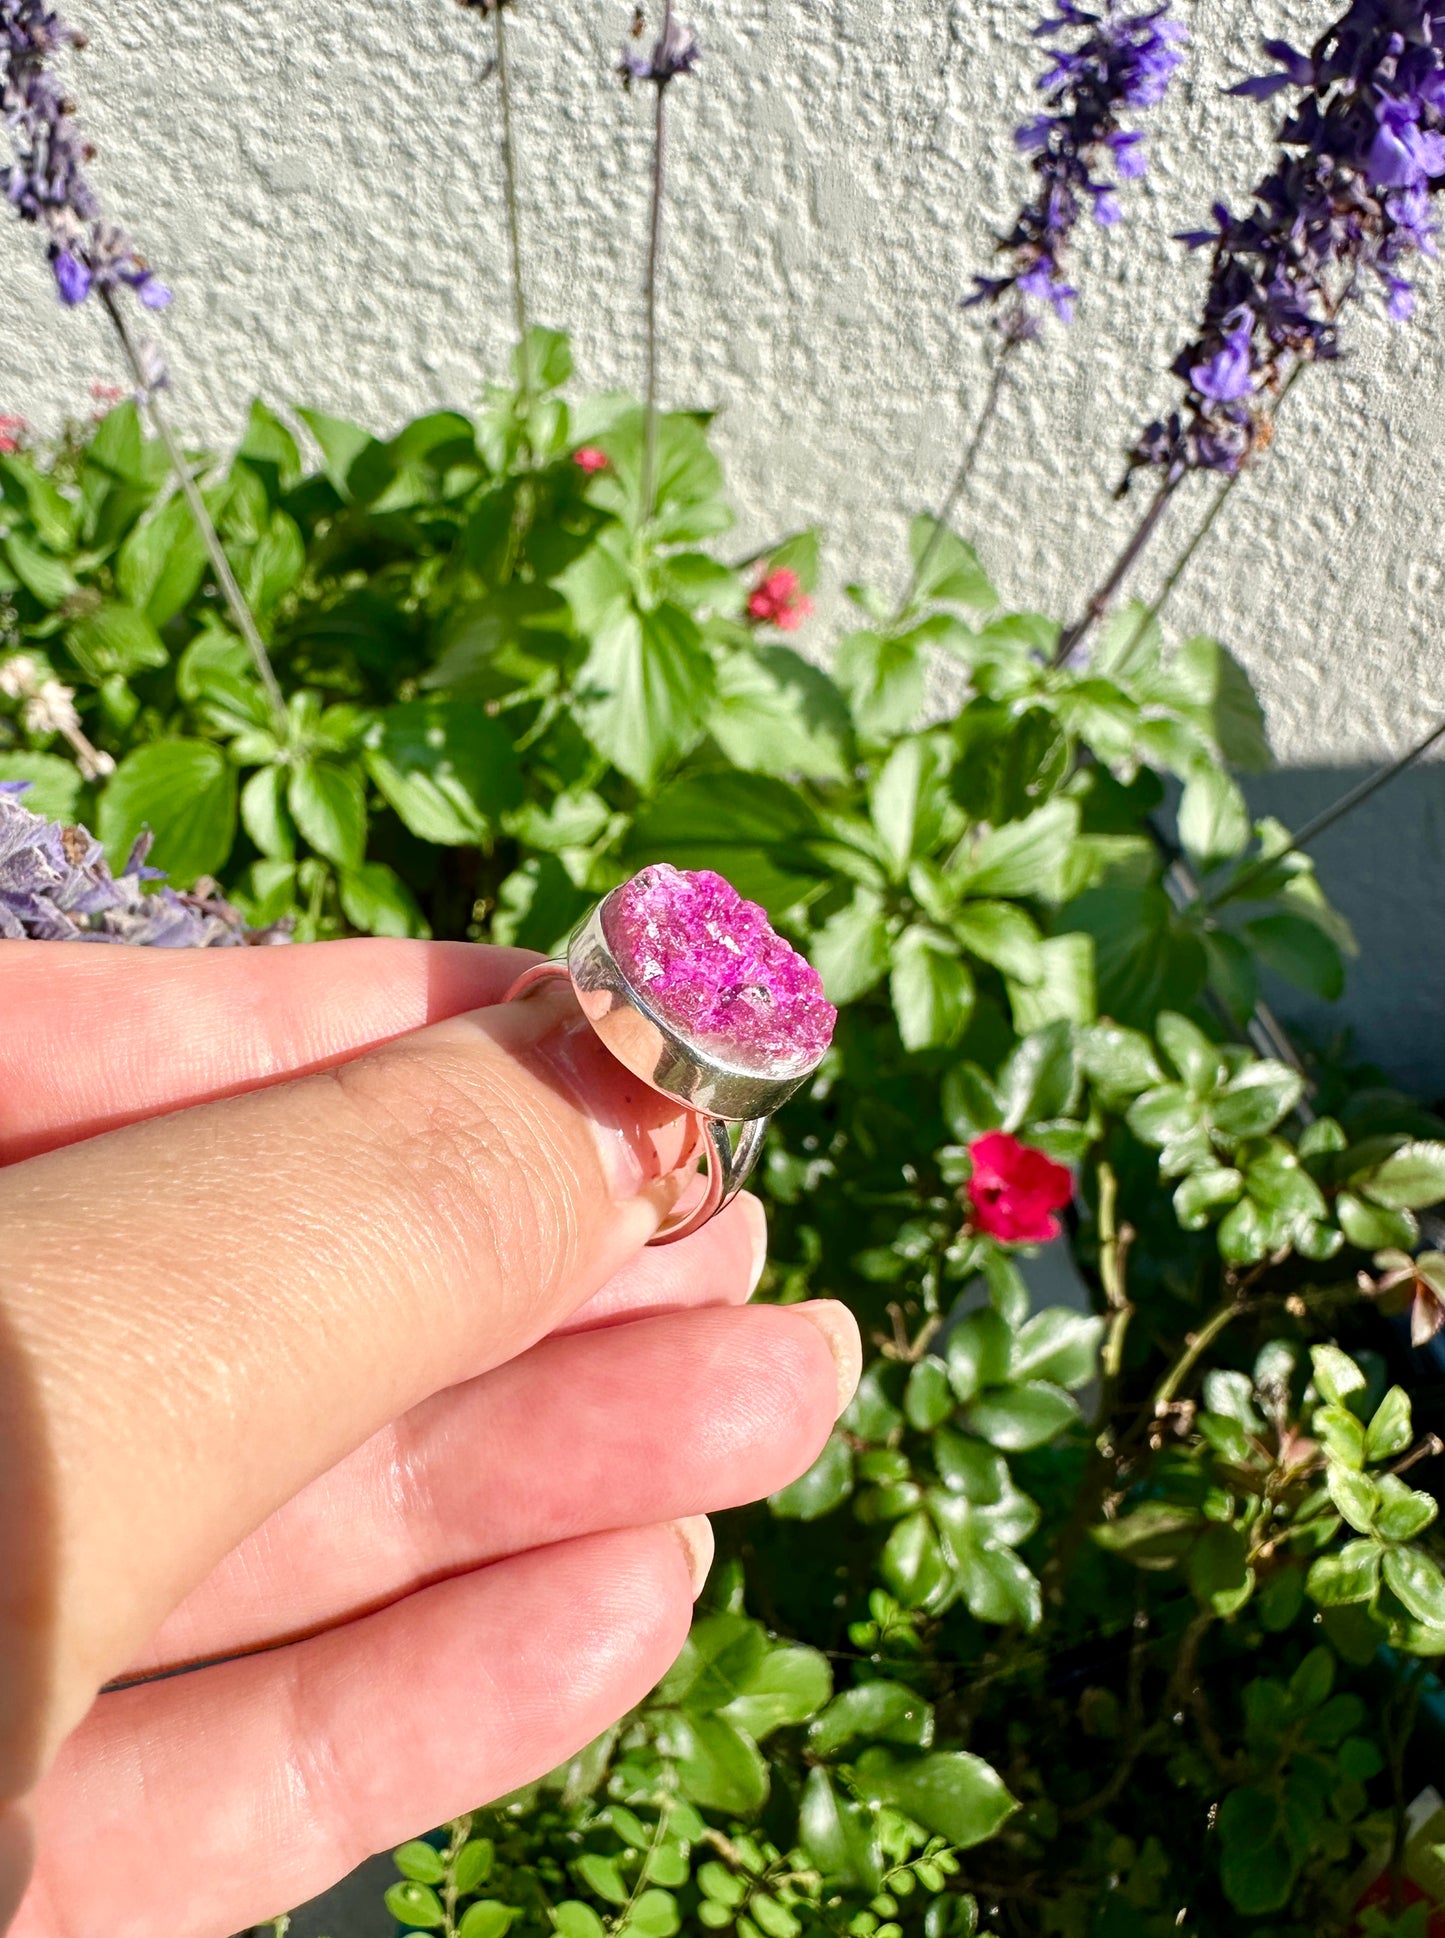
(1015, 1190)
(777, 601)
(12, 429)
(590, 459)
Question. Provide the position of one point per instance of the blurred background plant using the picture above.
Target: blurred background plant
(1109, 1608)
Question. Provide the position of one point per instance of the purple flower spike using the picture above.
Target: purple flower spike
(46, 182)
(675, 51)
(1103, 64)
(1362, 152)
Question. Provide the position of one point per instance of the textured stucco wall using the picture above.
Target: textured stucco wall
(320, 185)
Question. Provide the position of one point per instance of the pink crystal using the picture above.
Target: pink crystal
(710, 964)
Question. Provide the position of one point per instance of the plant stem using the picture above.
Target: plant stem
(961, 477)
(1074, 635)
(461, 1829)
(1180, 566)
(509, 176)
(1197, 1344)
(654, 253)
(240, 612)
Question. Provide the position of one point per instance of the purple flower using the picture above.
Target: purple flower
(46, 183)
(1348, 199)
(55, 886)
(1102, 64)
(675, 51)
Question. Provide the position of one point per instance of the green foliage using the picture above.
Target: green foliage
(1069, 1583)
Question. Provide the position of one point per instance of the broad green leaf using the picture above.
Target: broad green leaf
(474, 1865)
(115, 639)
(776, 713)
(486, 1919)
(719, 1767)
(883, 677)
(446, 767)
(826, 1485)
(838, 1836)
(852, 949)
(957, 1795)
(328, 805)
(654, 1914)
(1389, 1432)
(978, 1349)
(646, 689)
(602, 1877)
(270, 448)
(1409, 1180)
(1024, 857)
(1203, 1194)
(1336, 1374)
(1154, 1537)
(1213, 818)
(1058, 1345)
(997, 1586)
(880, 1711)
(951, 573)
(928, 1397)
(341, 444)
(420, 1861)
(574, 1919)
(1354, 1495)
(791, 1684)
(903, 800)
(1118, 1062)
(1257, 1099)
(1206, 680)
(417, 1906)
(160, 567)
(1372, 1228)
(273, 565)
(1346, 1575)
(1300, 951)
(931, 989)
(265, 815)
(1255, 1868)
(1003, 934)
(718, 1660)
(1417, 1581)
(377, 901)
(1218, 1570)
(1404, 1512)
(1019, 1417)
(912, 1562)
(184, 791)
(55, 784)
(1038, 1079)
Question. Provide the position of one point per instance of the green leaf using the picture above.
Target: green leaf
(377, 901)
(1346, 1575)
(601, 1876)
(1354, 1495)
(1336, 1374)
(881, 1711)
(270, 448)
(1037, 1081)
(902, 800)
(978, 1350)
(1118, 1062)
(486, 1919)
(952, 574)
(341, 444)
(44, 576)
(912, 1562)
(837, 1836)
(957, 1795)
(852, 949)
(1300, 951)
(654, 1915)
(1003, 934)
(160, 567)
(1389, 1432)
(185, 792)
(826, 1485)
(1256, 1868)
(996, 1584)
(54, 789)
(574, 1919)
(265, 816)
(1019, 1417)
(777, 713)
(1409, 1180)
(328, 805)
(720, 1768)
(1403, 1512)
(273, 565)
(1218, 1570)
(1058, 1345)
(883, 676)
(931, 989)
(1416, 1579)
(1205, 1193)
(1213, 818)
(1025, 857)
(1257, 1099)
(543, 359)
(417, 1905)
(474, 1866)
(447, 768)
(928, 1397)
(1371, 1227)
(420, 1861)
(646, 688)
(790, 1685)
(115, 639)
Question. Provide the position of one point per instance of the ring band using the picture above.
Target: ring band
(734, 1102)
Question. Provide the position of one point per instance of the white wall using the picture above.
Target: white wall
(320, 185)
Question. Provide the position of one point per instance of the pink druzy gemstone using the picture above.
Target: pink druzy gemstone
(710, 964)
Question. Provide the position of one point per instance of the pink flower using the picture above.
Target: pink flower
(590, 459)
(1015, 1190)
(12, 429)
(778, 601)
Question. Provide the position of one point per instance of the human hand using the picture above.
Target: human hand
(366, 1362)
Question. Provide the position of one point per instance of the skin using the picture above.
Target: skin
(333, 1371)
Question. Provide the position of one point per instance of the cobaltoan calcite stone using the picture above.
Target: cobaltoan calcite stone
(711, 965)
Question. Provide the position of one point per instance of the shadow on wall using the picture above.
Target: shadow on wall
(1384, 869)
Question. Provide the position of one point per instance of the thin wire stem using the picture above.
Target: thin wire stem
(240, 612)
(654, 254)
(514, 208)
(961, 477)
(1181, 565)
(1073, 636)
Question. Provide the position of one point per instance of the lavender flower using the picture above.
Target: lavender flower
(1123, 61)
(1349, 199)
(675, 51)
(46, 182)
(55, 886)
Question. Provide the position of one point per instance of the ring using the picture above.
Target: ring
(691, 990)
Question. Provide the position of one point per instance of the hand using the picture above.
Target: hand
(305, 1259)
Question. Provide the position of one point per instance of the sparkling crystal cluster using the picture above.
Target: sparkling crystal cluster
(711, 965)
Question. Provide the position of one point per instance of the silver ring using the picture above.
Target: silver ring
(735, 1102)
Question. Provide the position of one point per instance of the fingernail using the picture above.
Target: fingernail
(695, 1536)
(840, 1329)
(757, 1223)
